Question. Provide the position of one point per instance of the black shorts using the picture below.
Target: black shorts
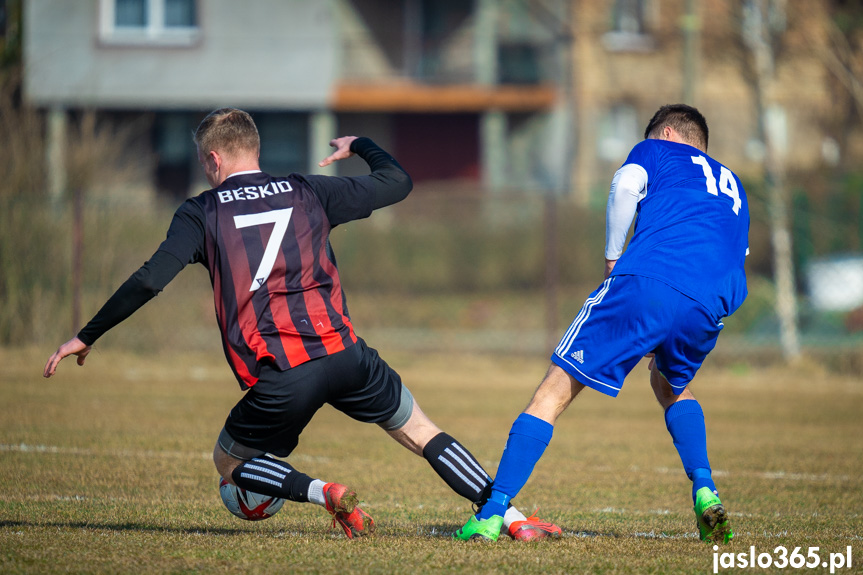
(273, 412)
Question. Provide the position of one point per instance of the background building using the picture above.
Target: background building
(511, 116)
(458, 90)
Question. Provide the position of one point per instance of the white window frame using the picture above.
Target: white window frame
(618, 132)
(619, 39)
(155, 33)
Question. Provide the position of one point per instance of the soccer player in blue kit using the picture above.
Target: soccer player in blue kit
(665, 298)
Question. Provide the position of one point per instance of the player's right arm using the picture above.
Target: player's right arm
(184, 244)
(628, 187)
(140, 288)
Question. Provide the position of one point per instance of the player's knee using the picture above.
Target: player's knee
(410, 426)
(403, 414)
(554, 394)
(224, 461)
(220, 460)
(225, 464)
(419, 431)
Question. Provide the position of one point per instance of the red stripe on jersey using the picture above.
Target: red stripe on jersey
(336, 296)
(321, 322)
(302, 287)
(240, 366)
(293, 345)
(236, 361)
(247, 318)
(315, 306)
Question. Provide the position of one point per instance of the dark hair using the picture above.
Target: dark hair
(228, 130)
(686, 120)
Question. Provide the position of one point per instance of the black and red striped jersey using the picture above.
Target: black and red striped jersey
(265, 242)
(277, 292)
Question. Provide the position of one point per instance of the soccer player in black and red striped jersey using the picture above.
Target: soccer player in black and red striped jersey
(286, 331)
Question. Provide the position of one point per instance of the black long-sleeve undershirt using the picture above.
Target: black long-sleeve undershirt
(391, 184)
(141, 287)
(387, 184)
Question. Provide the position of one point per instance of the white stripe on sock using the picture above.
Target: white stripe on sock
(471, 460)
(266, 470)
(272, 463)
(261, 479)
(461, 475)
(457, 459)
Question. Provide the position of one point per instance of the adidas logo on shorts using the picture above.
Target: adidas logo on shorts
(578, 356)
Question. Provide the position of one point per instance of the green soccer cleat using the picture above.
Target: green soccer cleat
(711, 517)
(482, 529)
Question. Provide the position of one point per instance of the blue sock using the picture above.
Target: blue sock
(528, 438)
(685, 422)
(701, 478)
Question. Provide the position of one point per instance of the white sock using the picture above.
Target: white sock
(316, 493)
(512, 515)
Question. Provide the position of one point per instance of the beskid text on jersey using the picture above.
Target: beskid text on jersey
(254, 192)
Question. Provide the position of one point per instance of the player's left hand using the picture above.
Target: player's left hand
(72, 347)
(343, 150)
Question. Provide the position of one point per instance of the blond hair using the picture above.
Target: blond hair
(228, 131)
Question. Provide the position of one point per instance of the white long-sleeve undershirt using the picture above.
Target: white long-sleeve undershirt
(628, 187)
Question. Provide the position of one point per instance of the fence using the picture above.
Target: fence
(444, 270)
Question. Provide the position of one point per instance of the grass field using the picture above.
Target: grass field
(106, 469)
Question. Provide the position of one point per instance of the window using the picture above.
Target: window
(148, 22)
(439, 26)
(177, 160)
(618, 132)
(629, 17)
(3, 18)
(629, 30)
(284, 141)
(519, 63)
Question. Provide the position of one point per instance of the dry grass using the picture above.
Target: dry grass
(105, 469)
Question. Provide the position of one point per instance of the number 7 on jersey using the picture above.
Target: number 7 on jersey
(281, 219)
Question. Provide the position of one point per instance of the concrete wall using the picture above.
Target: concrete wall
(254, 54)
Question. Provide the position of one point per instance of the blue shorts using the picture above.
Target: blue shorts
(628, 317)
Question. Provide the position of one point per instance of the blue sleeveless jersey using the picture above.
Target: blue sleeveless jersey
(691, 228)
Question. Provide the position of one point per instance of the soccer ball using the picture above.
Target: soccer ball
(247, 505)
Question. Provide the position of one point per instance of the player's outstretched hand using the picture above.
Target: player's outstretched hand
(72, 347)
(343, 150)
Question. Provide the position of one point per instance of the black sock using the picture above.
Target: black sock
(457, 467)
(269, 476)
